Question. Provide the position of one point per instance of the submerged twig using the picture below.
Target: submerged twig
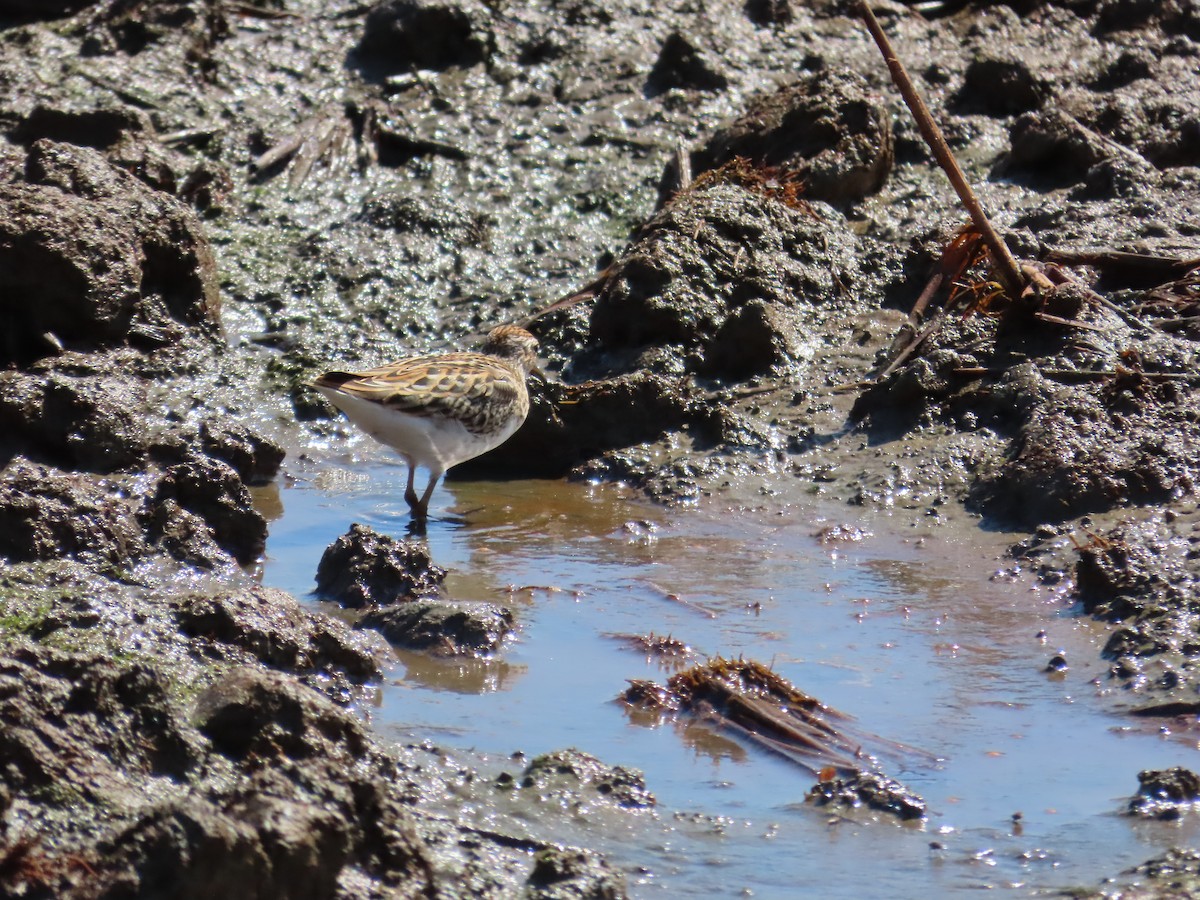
(1006, 266)
(675, 598)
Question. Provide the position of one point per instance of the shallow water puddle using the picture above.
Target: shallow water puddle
(903, 631)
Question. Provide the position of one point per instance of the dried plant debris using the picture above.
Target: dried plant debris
(773, 182)
(657, 645)
(746, 699)
(327, 137)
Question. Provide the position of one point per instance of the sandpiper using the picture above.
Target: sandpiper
(437, 411)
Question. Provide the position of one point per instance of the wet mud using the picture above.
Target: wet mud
(715, 223)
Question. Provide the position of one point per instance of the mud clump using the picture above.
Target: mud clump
(571, 776)
(364, 568)
(1174, 874)
(400, 588)
(79, 422)
(828, 130)
(401, 35)
(45, 514)
(1165, 794)
(682, 64)
(443, 628)
(270, 627)
(745, 248)
(1143, 576)
(1052, 148)
(255, 458)
(214, 491)
(92, 258)
(566, 872)
(1085, 432)
(571, 423)
(721, 284)
(164, 804)
(869, 790)
(1001, 86)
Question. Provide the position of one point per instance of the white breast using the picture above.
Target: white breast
(433, 443)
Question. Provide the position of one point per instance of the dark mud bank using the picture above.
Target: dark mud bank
(202, 204)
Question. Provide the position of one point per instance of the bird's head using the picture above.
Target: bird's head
(513, 343)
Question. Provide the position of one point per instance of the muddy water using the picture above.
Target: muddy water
(924, 633)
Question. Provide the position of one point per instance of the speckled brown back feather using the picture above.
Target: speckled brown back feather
(481, 390)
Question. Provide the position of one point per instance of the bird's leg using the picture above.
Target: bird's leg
(410, 493)
(421, 510)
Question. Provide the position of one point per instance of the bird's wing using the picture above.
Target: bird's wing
(470, 387)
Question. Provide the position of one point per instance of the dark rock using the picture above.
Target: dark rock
(402, 35)
(871, 790)
(364, 568)
(1165, 793)
(1001, 86)
(578, 779)
(94, 258)
(828, 129)
(681, 64)
(213, 491)
(446, 629)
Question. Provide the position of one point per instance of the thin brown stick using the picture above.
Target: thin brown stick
(934, 324)
(1176, 324)
(1072, 323)
(1006, 266)
(1055, 275)
(1075, 374)
(908, 331)
(1145, 264)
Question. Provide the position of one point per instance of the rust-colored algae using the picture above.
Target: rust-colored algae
(757, 704)
(774, 182)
